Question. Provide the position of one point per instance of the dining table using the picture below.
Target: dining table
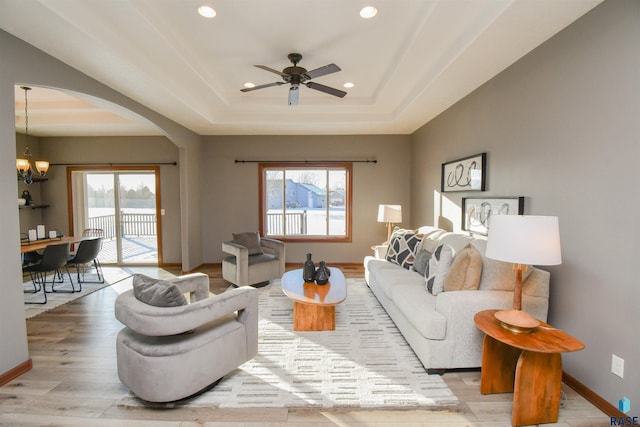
(37, 245)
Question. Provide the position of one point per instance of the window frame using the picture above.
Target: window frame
(346, 166)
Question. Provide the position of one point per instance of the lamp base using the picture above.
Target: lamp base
(517, 321)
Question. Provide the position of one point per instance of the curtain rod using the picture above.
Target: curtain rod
(305, 161)
(116, 164)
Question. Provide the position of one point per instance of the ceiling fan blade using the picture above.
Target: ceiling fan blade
(326, 89)
(322, 71)
(249, 89)
(264, 67)
(293, 94)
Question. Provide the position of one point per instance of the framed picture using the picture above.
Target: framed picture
(466, 174)
(477, 211)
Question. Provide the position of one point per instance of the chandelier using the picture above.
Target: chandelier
(25, 170)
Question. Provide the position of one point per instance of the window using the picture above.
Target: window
(306, 201)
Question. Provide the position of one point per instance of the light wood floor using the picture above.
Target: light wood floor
(74, 383)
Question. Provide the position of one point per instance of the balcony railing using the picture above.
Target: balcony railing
(131, 224)
(295, 223)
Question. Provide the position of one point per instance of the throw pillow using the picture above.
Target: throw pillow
(439, 265)
(421, 262)
(250, 240)
(156, 292)
(465, 270)
(402, 247)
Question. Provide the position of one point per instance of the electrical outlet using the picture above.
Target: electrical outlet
(617, 366)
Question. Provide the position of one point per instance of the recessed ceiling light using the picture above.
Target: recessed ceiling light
(249, 85)
(206, 11)
(349, 85)
(368, 12)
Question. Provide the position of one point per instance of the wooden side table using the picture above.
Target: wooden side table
(527, 364)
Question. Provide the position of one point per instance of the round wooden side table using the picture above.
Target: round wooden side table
(527, 364)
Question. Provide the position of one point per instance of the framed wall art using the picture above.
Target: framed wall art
(466, 174)
(477, 211)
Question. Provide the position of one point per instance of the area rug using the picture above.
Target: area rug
(111, 274)
(364, 363)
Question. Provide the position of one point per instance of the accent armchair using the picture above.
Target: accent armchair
(167, 353)
(253, 260)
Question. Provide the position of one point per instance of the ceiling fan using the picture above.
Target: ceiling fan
(297, 75)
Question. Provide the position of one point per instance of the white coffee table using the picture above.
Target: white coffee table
(314, 305)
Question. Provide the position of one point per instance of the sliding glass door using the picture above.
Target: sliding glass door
(127, 217)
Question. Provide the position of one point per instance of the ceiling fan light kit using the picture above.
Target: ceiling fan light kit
(296, 76)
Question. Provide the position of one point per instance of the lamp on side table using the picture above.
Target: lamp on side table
(391, 214)
(523, 240)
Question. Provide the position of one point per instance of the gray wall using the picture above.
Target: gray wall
(101, 150)
(561, 128)
(230, 190)
(23, 64)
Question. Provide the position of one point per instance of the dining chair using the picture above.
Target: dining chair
(87, 253)
(54, 259)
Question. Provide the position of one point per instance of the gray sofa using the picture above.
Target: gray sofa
(440, 328)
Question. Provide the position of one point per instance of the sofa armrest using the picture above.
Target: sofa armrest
(459, 307)
(380, 251)
(465, 304)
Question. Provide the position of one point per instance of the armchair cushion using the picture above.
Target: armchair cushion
(250, 240)
(156, 292)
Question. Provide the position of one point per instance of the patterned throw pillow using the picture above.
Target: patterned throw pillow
(402, 247)
(439, 265)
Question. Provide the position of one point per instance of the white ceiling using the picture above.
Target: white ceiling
(412, 61)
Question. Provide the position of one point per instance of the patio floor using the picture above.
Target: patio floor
(135, 250)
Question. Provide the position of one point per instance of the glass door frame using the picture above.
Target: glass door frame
(117, 169)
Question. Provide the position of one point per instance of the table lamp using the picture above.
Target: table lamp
(391, 214)
(522, 240)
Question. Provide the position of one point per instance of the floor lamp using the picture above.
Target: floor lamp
(522, 240)
(391, 214)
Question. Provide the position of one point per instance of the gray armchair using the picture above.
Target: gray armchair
(253, 266)
(169, 353)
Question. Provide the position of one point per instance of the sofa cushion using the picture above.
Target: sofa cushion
(430, 238)
(388, 278)
(402, 247)
(439, 265)
(455, 240)
(419, 308)
(250, 240)
(156, 292)
(421, 262)
(465, 270)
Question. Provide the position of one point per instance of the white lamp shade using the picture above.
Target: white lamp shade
(390, 213)
(524, 239)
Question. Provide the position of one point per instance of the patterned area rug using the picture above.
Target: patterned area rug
(111, 274)
(364, 363)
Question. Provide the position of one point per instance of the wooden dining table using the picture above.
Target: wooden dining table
(43, 243)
